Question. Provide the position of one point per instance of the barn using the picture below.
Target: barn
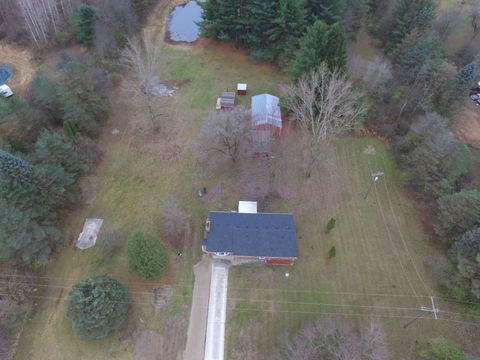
(266, 114)
(251, 237)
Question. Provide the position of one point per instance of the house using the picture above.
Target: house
(227, 100)
(241, 89)
(266, 114)
(251, 237)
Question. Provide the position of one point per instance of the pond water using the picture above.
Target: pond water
(5, 73)
(182, 22)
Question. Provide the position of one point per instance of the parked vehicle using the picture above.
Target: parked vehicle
(5, 91)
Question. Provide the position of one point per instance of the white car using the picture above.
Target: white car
(5, 91)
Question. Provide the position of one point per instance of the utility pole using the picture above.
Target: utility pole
(375, 177)
(433, 310)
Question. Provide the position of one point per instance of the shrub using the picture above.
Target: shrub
(97, 306)
(331, 224)
(439, 348)
(332, 252)
(146, 256)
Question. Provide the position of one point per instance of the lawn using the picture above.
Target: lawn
(380, 268)
(372, 273)
(139, 170)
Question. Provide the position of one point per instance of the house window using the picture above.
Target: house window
(221, 254)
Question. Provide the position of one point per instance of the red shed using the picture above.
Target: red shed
(241, 89)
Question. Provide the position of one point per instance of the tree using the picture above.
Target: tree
(409, 15)
(50, 148)
(466, 251)
(83, 21)
(287, 29)
(225, 132)
(142, 58)
(329, 11)
(175, 222)
(324, 104)
(320, 44)
(466, 77)
(97, 306)
(146, 256)
(328, 339)
(457, 213)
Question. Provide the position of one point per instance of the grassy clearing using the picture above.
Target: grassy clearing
(372, 272)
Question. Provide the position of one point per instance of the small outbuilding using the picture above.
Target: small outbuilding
(5, 91)
(227, 100)
(251, 237)
(266, 114)
(241, 89)
(88, 236)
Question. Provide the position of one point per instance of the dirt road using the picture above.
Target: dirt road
(20, 59)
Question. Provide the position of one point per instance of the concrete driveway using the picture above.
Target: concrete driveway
(197, 326)
(217, 311)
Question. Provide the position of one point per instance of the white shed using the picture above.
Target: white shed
(88, 236)
(247, 207)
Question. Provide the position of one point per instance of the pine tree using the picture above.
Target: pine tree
(286, 29)
(97, 306)
(321, 43)
(83, 20)
(409, 15)
(466, 77)
(329, 11)
(13, 168)
(146, 256)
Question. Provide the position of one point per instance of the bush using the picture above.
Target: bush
(331, 225)
(332, 252)
(439, 348)
(97, 306)
(146, 256)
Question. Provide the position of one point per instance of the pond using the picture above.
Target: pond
(182, 22)
(5, 73)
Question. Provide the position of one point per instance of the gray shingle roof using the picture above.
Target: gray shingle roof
(261, 234)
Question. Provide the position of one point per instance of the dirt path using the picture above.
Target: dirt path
(467, 125)
(20, 59)
(197, 325)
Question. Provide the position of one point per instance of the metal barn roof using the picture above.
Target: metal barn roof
(265, 110)
(244, 234)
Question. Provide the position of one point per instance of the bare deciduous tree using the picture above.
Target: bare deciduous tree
(324, 104)
(142, 58)
(379, 71)
(332, 340)
(175, 222)
(42, 17)
(225, 132)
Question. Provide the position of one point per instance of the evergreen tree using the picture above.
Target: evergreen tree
(458, 212)
(13, 168)
(51, 149)
(146, 256)
(83, 21)
(97, 306)
(466, 77)
(287, 29)
(467, 253)
(321, 43)
(329, 11)
(408, 15)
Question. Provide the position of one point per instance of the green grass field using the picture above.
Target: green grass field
(379, 270)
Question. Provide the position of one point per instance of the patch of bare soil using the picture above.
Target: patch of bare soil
(19, 58)
(369, 150)
(149, 345)
(467, 125)
(163, 294)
